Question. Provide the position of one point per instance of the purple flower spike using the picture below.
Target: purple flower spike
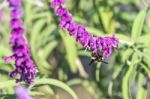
(25, 66)
(95, 44)
(22, 93)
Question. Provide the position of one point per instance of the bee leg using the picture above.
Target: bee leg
(92, 61)
(104, 62)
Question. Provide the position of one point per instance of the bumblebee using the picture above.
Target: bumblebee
(97, 58)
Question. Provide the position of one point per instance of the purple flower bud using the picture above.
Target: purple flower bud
(16, 13)
(107, 52)
(57, 3)
(17, 31)
(85, 39)
(99, 43)
(66, 17)
(9, 58)
(73, 26)
(80, 32)
(20, 61)
(64, 24)
(15, 23)
(73, 33)
(12, 74)
(114, 41)
(61, 11)
(20, 41)
(14, 3)
(92, 42)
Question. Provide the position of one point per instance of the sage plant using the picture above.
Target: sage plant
(87, 40)
(25, 66)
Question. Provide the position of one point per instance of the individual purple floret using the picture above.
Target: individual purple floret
(57, 3)
(95, 44)
(14, 3)
(25, 66)
(22, 93)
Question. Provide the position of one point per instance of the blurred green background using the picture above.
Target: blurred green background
(63, 70)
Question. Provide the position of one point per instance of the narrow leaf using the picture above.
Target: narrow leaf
(44, 81)
(71, 51)
(138, 25)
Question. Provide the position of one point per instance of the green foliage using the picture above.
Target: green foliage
(63, 63)
(70, 51)
(41, 82)
(138, 24)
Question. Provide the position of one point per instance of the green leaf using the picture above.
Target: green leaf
(144, 39)
(122, 37)
(9, 83)
(28, 15)
(94, 31)
(108, 21)
(142, 91)
(33, 38)
(7, 96)
(58, 84)
(146, 55)
(35, 33)
(44, 81)
(145, 65)
(48, 49)
(125, 54)
(45, 35)
(138, 25)
(125, 83)
(78, 19)
(75, 81)
(69, 43)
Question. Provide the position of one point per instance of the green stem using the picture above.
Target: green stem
(142, 91)
(125, 83)
(98, 14)
(128, 75)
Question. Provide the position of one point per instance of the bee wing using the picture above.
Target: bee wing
(92, 61)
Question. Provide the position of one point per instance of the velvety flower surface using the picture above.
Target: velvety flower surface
(95, 44)
(22, 93)
(25, 66)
